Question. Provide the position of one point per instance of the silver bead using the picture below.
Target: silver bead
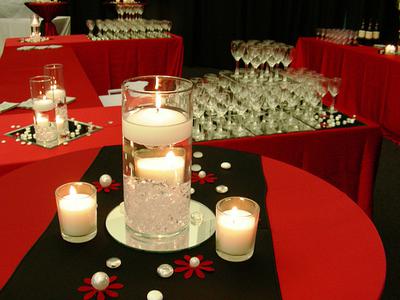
(165, 270)
(197, 154)
(194, 262)
(196, 168)
(226, 165)
(100, 281)
(113, 262)
(105, 180)
(154, 295)
(202, 174)
(222, 189)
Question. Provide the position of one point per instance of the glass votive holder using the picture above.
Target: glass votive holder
(236, 228)
(77, 211)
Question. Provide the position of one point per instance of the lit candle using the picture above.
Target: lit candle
(169, 168)
(42, 120)
(60, 123)
(42, 105)
(35, 21)
(77, 213)
(390, 49)
(156, 126)
(236, 229)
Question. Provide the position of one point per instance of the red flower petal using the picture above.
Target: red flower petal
(116, 286)
(181, 269)
(199, 273)
(107, 190)
(87, 281)
(188, 274)
(180, 262)
(200, 257)
(209, 269)
(112, 294)
(206, 263)
(89, 295)
(85, 288)
(100, 296)
(187, 258)
(113, 278)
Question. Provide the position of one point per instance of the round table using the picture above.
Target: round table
(325, 246)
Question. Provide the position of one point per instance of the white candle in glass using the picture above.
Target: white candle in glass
(156, 126)
(77, 213)
(56, 94)
(42, 120)
(390, 49)
(169, 168)
(44, 104)
(235, 231)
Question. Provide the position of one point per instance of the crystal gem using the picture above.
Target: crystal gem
(113, 262)
(196, 168)
(100, 281)
(165, 270)
(222, 189)
(202, 174)
(198, 154)
(194, 262)
(105, 180)
(226, 165)
(154, 295)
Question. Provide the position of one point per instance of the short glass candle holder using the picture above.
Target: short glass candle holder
(77, 211)
(236, 228)
(157, 151)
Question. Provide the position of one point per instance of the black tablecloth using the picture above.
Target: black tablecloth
(54, 269)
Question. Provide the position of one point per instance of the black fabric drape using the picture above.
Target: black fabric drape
(208, 26)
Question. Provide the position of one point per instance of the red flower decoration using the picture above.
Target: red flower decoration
(91, 291)
(113, 186)
(184, 265)
(210, 178)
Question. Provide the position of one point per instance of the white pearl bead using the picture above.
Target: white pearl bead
(194, 262)
(105, 180)
(100, 281)
(154, 295)
(202, 174)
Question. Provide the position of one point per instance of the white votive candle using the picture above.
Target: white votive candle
(390, 49)
(77, 211)
(236, 228)
(56, 94)
(42, 120)
(169, 168)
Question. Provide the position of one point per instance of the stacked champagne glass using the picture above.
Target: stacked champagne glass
(124, 29)
(263, 98)
(337, 36)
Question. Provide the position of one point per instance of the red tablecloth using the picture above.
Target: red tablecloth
(16, 67)
(108, 63)
(370, 81)
(346, 157)
(325, 246)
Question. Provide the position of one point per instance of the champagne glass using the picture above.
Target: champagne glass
(237, 50)
(333, 88)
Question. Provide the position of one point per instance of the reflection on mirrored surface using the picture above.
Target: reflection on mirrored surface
(202, 227)
(26, 135)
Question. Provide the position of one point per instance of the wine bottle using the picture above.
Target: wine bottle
(361, 33)
(368, 34)
(376, 33)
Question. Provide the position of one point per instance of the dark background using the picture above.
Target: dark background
(208, 26)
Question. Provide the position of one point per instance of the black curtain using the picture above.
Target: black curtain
(208, 26)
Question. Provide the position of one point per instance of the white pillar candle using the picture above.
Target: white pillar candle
(42, 105)
(77, 214)
(169, 168)
(42, 120)
(56, 94)
(156, 126)
(235, 231)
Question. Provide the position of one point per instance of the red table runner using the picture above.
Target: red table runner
(370, 81)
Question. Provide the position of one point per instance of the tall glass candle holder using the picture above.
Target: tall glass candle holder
(77, 211)
(157, 147)
(236, 228)
(44, 111)
(58, 94)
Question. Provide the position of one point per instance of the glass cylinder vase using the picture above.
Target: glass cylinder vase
(157, 151)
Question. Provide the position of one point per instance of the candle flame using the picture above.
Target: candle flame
(72, 190)
(170, 155)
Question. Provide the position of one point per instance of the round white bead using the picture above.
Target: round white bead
(196, 168)
(225, 165)
(197, 154)
(105, 180)
(100, 281)
(202, 174)
(194, 262)
(154, 295)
